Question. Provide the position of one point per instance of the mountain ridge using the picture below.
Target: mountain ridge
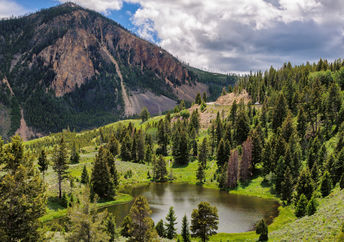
(84, 70)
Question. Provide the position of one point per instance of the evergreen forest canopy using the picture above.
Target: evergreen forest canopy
(290, 137)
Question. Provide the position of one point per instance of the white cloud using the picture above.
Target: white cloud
(232, 35)
(103, 6)
(10, 8)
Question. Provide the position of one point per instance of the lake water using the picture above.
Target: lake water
(237, 213)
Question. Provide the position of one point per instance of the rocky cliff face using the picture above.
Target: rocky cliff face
(67, 66)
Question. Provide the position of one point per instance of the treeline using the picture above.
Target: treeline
(295, 139)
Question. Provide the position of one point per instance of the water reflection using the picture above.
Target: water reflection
(237, 213)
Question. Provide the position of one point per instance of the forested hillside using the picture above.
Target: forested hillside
(285, 141)
(71, 67)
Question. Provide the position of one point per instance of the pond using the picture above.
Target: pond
(237, 213)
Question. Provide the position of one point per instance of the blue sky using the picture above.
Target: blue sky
(224, 35)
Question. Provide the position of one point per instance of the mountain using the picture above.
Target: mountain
(71, 67)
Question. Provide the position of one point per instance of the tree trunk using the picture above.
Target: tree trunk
(60, 189)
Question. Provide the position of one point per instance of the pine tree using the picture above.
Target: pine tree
(325, 184)
(75, 157)
(203, 152)
(43, 162)
(140, 148)
(162, 137)
(279, 175)
(200, 175)
(262, 230)
(102, 182)
(125, 229)
(301, 122)
(60, 163)
(160, 229)
(198, 99)
(126, 148)
(194, 120)
(86, 225)
(242, 127)
(85, 179)
(113, 146)
(311, 207)
(111, 227)
(160, 171)
(233, 113)
(287, 186)
(257, 147)
(204, 97)
(170, 224)
(148, 154)
(204, 222)
(141, 226)
(144, 114)
(22, 194)
(221, 156)
(304, 185)
(301, 206)
(185, 230)
(279, 112)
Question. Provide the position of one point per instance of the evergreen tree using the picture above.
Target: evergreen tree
(43, 162)
(185, 230)
(141, 226)
(111, 227)
(162, 137)
(198, 99)
(257, 147)
(311, 207)
(262, 230)
(126, 148)
(170, 225)
(279, 112)
(140, 148)
(301, 122)
(301, 206)
(221, 156)
(200, 175)
(22, 194)
(86, 225)
(333, 103)
(75, 157)
(287, 186)
(279, 175)
(127, 224)
(242, 127)
(181, 155)
(203, 152)
(60, 163)
(233, 112)
(160, 171)
(160, 229)
(85, 179)
(113, 146)
(204, 222)
(325, 184)
(102, 182)
(204, 97)
(194, 121)
(304, 185)
(144, 114)
(148, 154)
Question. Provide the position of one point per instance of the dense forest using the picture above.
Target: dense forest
(290, 134)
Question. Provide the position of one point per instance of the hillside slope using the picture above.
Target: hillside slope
(83, 70)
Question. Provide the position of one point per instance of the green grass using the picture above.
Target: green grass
(55, 210)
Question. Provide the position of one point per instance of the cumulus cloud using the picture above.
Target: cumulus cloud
(103, 6)
(231, 35)
(10, 8)
(238, 36)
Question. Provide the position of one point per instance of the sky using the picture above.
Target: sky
(223, 35)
